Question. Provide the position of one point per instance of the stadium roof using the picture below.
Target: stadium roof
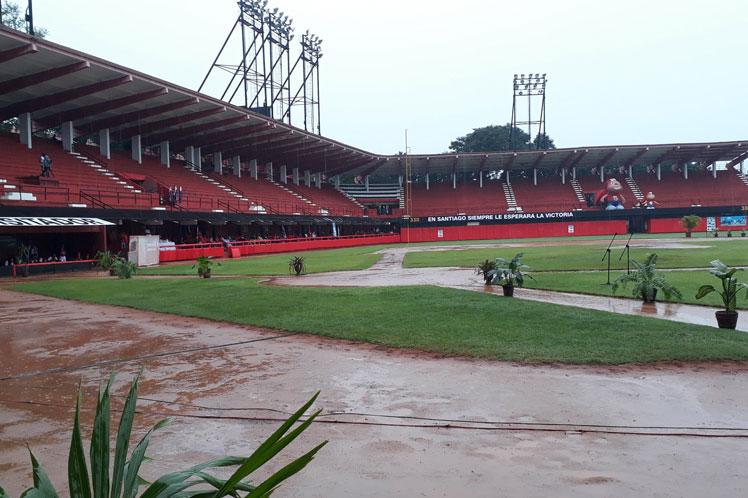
(58, 84)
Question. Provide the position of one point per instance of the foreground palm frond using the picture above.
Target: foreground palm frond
(195, 482)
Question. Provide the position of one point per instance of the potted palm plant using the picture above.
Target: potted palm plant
(297, 265)
(105, 261)
(510, 274)
(484, 269)
(689, 223)
(646, 281)
(204, 266)
(731, 287)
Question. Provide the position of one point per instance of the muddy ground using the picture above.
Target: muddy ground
(399, 423)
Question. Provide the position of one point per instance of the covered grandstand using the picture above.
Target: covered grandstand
(150, 156)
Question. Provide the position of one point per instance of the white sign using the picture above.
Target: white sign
(28, 221)
(570, 228)
(440, 234)
(711, 223)
(500, 217)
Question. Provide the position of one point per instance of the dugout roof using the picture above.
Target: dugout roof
(58, 84)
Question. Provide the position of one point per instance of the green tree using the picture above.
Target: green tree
(495, 138)
(12, 16)
(543, 141)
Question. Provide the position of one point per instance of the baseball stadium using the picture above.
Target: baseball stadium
(202, 295)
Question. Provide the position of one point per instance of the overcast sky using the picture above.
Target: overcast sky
(640, 71)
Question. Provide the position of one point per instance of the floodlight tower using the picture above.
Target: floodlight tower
(531, 86)
(308, 94)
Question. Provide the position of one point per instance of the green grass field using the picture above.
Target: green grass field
(687, 282)
(353, 258)
(428, 318)
(588, 257)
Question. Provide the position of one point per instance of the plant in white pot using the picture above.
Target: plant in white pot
(510, 274)
(731, 287)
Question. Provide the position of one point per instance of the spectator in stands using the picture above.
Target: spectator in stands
(45, 163)
(63, 255)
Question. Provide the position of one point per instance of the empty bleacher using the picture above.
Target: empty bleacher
(328, 199)
(75, 180)
(548, 195)
(700, 189)
(470, 198)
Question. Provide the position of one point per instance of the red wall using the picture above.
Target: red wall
(188, 252)
(515, 231)
(672, 225)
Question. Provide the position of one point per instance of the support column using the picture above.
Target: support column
(741, 167)
(319, 179)
(136, 147)
(427, 181)
(563, 176)
(602, 174)
(337, 181)
(659, 172)
(283, 174)
(105, 143)
(218, 162)
(269, 170)
(295, 175)
(165, 159)
(24, 123)
(480, 178)
(307, 178)
(68, 134)
(189, 154)
(400, 180)
(366, 182)
(454, 181)
(631, 171)
(236, 163)
(197, 154)
(574, 173)
(253, 169)
(535, 176)
(714, 170)
(685, 171)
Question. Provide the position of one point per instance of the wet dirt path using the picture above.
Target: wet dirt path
(497, 429)
(389, 271)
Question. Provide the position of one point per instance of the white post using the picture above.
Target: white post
(714, 169)
(574, 173)
(68, 134)
(602, 174)
(253, 169)
(283, 174)
(480, 178)
(307, 178)
(337, 181)
(563, 176)
(236, 163)
(189, 154)
(685, 171)
(24, 122)
(454, 181)
(165, 160)
(535, 176)
(105, 143)
(631, 171)
(136, 147)
(218, 162)
(295, 175)
(197, 154)
(427, 181)
(659, 172)
(319, 179)
(741, 167)
(269, 170)
(400, 180)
